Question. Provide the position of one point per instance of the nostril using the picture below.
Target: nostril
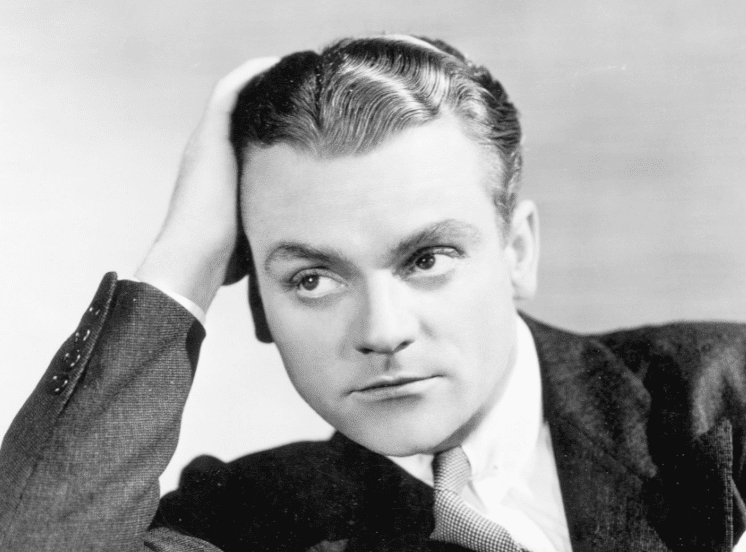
(402, 345)
(383, 349)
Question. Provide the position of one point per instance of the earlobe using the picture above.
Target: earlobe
(522, 250)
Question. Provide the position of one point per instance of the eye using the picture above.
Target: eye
(432, 262)
(426, 261)
(312, 285)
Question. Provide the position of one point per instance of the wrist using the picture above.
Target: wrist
(185, 271)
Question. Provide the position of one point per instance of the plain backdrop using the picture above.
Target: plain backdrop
(634, 115)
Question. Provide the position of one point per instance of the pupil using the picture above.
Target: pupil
(426, 262)
(309, 283)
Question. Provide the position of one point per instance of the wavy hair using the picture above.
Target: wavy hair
(357, 92)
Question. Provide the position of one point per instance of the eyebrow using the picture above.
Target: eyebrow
(448, 230)
(292, 251)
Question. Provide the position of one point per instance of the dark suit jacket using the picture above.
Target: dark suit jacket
(647, 427)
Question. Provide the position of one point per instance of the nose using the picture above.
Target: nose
(386, 323)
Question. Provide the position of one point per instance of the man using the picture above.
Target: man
(377, 191)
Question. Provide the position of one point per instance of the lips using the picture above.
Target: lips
(392, 387)
(379, 383)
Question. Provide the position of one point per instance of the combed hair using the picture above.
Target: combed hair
(358, 92)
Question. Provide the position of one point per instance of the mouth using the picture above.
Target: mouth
(392, 387)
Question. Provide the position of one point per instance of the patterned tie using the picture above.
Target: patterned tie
(457, 523)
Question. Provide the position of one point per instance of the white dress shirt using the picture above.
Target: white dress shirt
(514, 476)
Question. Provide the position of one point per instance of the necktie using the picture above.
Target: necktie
(455, 522)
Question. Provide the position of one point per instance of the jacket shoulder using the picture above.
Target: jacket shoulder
(292, 496)
(693, 347)
(695, 373)
(216, 500)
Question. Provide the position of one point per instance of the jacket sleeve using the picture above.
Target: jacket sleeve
(79, 466)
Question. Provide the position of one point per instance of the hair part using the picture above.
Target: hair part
(358, 92)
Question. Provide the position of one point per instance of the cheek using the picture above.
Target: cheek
(301, 332)
(480, 320)
(482, 300)
(308, 368)
(308, 344)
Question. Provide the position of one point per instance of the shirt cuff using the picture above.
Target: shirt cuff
(185, 302)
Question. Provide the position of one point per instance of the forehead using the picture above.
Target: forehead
(423, 175)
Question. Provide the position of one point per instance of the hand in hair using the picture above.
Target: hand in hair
(194, 252)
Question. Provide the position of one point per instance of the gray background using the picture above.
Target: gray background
(635, 124)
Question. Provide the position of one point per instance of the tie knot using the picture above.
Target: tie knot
(451, 470)
(455, 521)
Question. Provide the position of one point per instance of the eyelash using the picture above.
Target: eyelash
(297, 278)
(294, 282)
(434, 250)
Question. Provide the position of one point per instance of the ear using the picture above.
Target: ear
(522, 249)
(261, 327)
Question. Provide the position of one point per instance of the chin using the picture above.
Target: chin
(394, 448)
(400, 439)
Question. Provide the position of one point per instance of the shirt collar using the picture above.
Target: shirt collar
(508, 434)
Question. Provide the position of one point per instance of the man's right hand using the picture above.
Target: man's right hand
(192, 253)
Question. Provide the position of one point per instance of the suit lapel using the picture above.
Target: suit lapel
(615, 496)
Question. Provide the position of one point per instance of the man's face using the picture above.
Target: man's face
(386, 284)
